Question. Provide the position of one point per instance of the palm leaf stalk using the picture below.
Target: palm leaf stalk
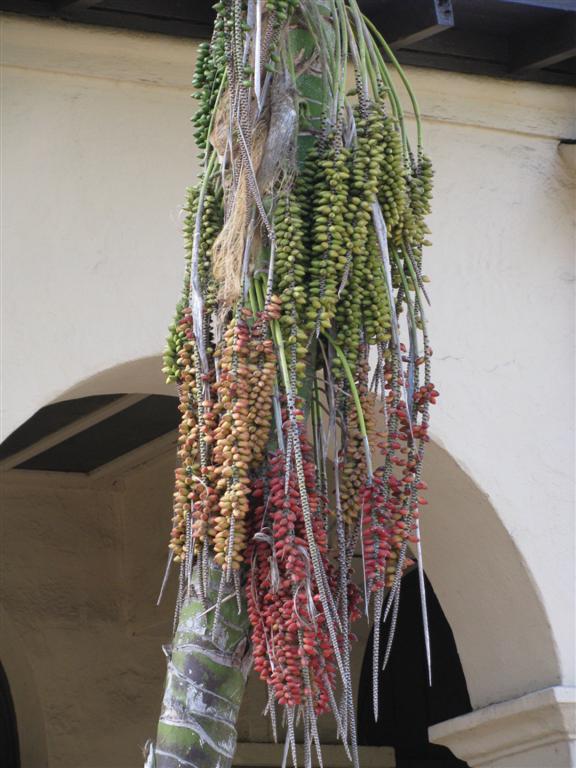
(304, 240)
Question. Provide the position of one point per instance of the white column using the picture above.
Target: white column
(537, 730)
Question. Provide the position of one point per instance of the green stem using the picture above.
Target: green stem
(402, 76)
(414, 276)
(390, 87)
(337, 58)
(409, 302)
(353, 388)
(221, 87)
(357, 404)
(344, 53)
(358, 47)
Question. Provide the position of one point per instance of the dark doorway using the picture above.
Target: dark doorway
(407, 704)
(9, 747)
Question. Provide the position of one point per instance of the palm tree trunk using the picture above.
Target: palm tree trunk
(207, 671)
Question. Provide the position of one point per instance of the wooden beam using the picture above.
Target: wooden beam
(567, 150)
(546, 47)
(29, 7)
(121, 20)
(60, 435)
(473, 46)
(136, 458)
(545, 5)
(405, 22)
(40, 480)
(75, 5)
(198, 11)
(431, 60)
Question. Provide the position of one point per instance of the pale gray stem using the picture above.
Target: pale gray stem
(424, 607)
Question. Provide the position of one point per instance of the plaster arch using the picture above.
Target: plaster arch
(485, 587)
(29, 712)
(138, 376)
(141, 375)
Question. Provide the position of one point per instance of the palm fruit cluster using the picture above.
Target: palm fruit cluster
(362, 310)
(420, 181)
(177, 331)
(292, 651)
(392, 189)
(353, 457)
(290, 276)
(281, 9)
(394, 509)
(233, 447)
(345, 221)
(329, 238)
(262, 373)
(210, 68)
(280, 12)
(222, 437)
(211, 224)
(187, 446)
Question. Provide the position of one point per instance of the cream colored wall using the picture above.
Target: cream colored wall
(503, 328)
(57, 542)
(96, 157)
(97, 152)
(82, 567)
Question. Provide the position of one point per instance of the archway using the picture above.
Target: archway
(482, 582)
(139, 375)
(484, 587)
(411, 698)
(9, 742)
(28, 712)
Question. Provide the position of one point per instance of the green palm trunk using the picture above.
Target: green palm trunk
(207, 671)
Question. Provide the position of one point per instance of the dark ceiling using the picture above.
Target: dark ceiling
(515, 39)
(110, 434)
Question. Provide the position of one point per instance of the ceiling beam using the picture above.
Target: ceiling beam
(60, 435)
(143, 23)
(405, 22)
(550, 46)
(567, 150)
(75, 5)
(29, 7)
(134, 459)
(546, 5)
(33, 479)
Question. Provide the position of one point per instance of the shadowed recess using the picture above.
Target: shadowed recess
(121, 433)
(50, 419)
(408, 705)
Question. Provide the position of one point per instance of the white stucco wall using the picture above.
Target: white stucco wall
(97, 150)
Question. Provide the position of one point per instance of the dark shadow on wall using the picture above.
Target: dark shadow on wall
(407, 704)
(9, 748)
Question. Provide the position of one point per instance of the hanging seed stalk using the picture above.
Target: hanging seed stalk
(304, 243)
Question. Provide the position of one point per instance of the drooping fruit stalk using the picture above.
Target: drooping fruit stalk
(304, 244)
